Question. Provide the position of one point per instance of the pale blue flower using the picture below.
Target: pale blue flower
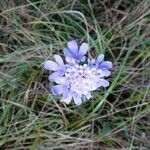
(76, 81)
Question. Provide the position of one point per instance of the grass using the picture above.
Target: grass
(33, 31)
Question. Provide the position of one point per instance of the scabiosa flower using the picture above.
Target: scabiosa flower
(77, 78)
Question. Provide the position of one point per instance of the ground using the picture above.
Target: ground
(116, 118)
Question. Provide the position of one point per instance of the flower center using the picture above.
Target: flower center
(82, 79)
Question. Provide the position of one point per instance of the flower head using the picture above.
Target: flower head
(75, 81)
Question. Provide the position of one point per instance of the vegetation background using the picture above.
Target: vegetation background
(32, 31)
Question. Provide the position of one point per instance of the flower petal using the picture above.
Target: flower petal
(82, 58)
(91, 62)
(59, 60)
(103, 83)
(51, 65)
(60, 80)
(79, 58)
(77, 100)
(106, 64)
(100, 58)
(67, 100)
(55, 76)
(65, 92)
(88, 96)
(70, 60)
(67, 53)
(72, 45)
(57, 89)
(83, 48)
(105, 73)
